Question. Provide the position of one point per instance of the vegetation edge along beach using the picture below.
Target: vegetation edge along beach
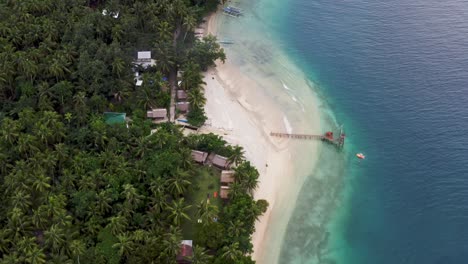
(94, 168)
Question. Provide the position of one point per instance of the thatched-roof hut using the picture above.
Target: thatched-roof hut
(224, 192)
(181, 95)
(220, 161)
(182, 106)
(227, 177)
(199, 156)
(158, 115)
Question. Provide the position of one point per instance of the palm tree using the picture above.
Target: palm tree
(192, 77)
(187, 160)
(21, 199)
(232, 252)
(131, 195)
(39, 217)
(93, 225)
(164, 53)
(179, 182)
(61, 154)
(200, 256)
(103, 201)
(177, 211)
(118, 33)
(236, 228)
(18, 222)
(145, 98)
(79, 100)
(196, 98)
(59, 259)
(125, 244)
(165, 32)
(118, 66)
(251, 183)
(206, 212)
(158, 197)
(62, 91)
(11, 258)
(142, 146)
(247, 176)
(171, 243)
(10, 130)
(54, 237)
(117, 224)
(77, 248)
(36, 256)
(4, 240)
(58, 67)
(237, 155)
(236, 190)
(41, 183)
(189, 23)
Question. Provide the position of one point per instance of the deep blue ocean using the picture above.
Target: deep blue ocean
(395, 73)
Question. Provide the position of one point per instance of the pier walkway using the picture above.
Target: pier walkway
(328, 137)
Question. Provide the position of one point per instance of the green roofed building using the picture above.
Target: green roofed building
(114, 118)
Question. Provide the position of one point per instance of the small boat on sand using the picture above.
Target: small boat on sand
(360, 156)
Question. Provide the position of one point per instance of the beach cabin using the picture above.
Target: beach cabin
(158, 115)
(227, 177)
(144, 59)
(185, 253)
(224, 192)
(183, 106)
(181, 95)
(220, 161)
(144, 56)
(199, 156)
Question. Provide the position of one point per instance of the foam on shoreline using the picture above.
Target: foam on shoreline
(257, 91)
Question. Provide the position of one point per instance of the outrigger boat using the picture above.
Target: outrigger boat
(232, 11)
(226, 41)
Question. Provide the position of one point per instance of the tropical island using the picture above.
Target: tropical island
(94, 164)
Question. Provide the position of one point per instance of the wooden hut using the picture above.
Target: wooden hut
(227, 177)
(181, 95)
(199, 156)
(182, 106)
(158, 115)
(224, 192)
(220, 161)
(186, 252)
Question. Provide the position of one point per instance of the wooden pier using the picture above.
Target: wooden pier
(327, 137)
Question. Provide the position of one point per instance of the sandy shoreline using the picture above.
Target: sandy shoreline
(238, 109)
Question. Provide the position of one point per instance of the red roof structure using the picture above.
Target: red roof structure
(186, 251)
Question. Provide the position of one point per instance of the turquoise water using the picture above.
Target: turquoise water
(263, 51)
(395, 74)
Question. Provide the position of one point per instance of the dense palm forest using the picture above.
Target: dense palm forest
(78, 190)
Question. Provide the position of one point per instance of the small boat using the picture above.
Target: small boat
(226, 41)
(360, 156)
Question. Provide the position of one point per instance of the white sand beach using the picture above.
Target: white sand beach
(240, 109)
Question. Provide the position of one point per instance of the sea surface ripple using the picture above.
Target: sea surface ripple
(395, 73)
